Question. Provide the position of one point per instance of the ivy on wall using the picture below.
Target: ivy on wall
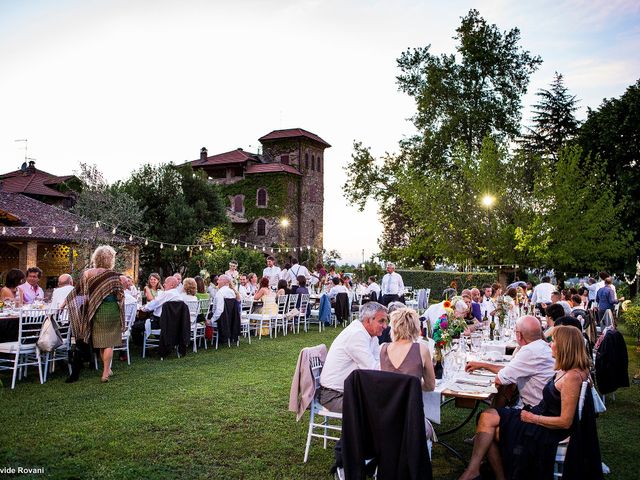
(277, 191)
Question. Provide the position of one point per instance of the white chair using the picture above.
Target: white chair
(151, 338)
(24, 350)
(130, 311)
(314, 317)
(561, 452)
(199, 329)
(194, 310)
(61, 316)
(279, 319)
(258, 321)
(304, 305)
(356, 305)
(321, 429)
(245, 323)
(289, 319)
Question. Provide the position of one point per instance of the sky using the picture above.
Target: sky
(122, 83)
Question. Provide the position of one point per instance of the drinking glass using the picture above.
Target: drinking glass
(476, 341)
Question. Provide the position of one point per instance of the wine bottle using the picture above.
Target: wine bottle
(492, 327)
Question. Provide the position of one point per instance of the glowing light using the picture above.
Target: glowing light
(285, 222)
(146, 241)
(97, 224)
(488, 200)
(162, 245)
(75, 228)
(53, 230)
(30, 231)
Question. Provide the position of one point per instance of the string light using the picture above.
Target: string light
(75, 227)
(211, 247)
(113, 232)
(97, 224)
(161, 245)
(200, 247)
(187, 248)
(130, 238)
(146, 241)
(263, 249)
(30, 231)
(53, 230)
(4, 231)
(175, 248)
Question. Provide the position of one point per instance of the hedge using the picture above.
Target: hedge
(438, 281)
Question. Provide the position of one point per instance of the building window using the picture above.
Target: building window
(238, 204)
(261, 197)
(306, 161)
(284, 159)
(261, 228)
(313, 162)
(319, 163)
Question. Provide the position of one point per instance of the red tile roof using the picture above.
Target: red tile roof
(41, 217)
(271, 168)
(35, 183)
(234, 156)
(293, 133)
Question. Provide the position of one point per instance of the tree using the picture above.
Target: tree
(460, 101)
(554, 121)
(575, 222)
(611, 137)
(179, 206)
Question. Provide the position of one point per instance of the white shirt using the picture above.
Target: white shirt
(374, 287)
(218, 302)
(163, 297)
(600, 284)
(180, 288)
(273, 274)
(434, 312)
(353, 348)
(295, 271)
(542, 293)
(60, 295)
(212, 289)
(244, 291)
(530, 369)
(486, 305)
(336, 289)
(392, 284)
(593, 289)
(128, 298)
(135, 293)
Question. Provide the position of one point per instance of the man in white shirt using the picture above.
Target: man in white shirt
(336, 289)
(296, 270)
(65, 285)
(373, 287)
(542, 293)
(486, 303)
(531, 367)
(356, 347)
(392, 286)
(243, 288)
(169, 294)
(272, 272)
(178, 277)
(224, 291)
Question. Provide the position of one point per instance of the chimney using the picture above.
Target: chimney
(31, 169)
(203, 153)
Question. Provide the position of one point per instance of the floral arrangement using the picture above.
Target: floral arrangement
(503, 305)
(447, 327)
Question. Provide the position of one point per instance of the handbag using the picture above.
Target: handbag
(50, 337)
(598, 404)
(208, 332)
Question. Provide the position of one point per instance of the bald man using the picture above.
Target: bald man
(65, 285)
(532, 364)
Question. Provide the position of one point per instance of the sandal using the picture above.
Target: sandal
(104, 379)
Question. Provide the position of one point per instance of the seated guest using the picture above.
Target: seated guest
(224, 291)
(282, 288)
(31, 290)
(135, 293)
(474, 308)
(10, 291)
(213, 286)
(337, 288)
(385, 336)
(169, 294)
(128, 298)
(252, 284)
(410, 356)
(190, 289)
(65, 285)
(355, 347)
(373, 287)
(556, 298)
(522, 444)
(180, 287)
(554, 311)
(302, 285)
(243, 287)
(531, 366)
(201, 292)
(154, 285)
(578, 311)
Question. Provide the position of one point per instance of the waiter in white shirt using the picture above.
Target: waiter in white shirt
(541, 296)
(272, 272)
(296, 270)
(392, 286)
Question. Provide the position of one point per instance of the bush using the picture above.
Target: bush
(438, 281)
(631, 317)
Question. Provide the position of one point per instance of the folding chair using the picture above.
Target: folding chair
(194, 311)
(245, 322)
(279, 319)
(324, 426)
(24, 349)
(61, 316)
(304, 305)
(291, 305)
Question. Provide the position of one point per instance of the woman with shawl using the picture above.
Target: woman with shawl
(96, 309)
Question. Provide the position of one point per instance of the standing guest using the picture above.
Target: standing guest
(233, 272)
(154, 285)
(392, 286)
(583, 293)
(603, 277)
(30, 289)
(252, 284)
(10, 291)
(522, 444)
(605, 297)
(284, 273)
(59, 296)
(96, 310)
(243, 288)
(332, 273)
(531, 366)
(296, 270)
(593, 289)
(373, 287)
(302, 287)
(271, 271)
(355, 347)
(541, 296)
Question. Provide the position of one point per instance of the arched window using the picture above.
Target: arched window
(313, 162)
(261, 228)
(319, 163)
(306, 161)
(238, 203)
(261, 197)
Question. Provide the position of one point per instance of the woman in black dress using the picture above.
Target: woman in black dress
(521, 444)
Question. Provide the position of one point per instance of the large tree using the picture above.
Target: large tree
(611, 137)
(461, 100)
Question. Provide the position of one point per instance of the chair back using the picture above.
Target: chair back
(292, 302)
(194, 310)
(247, 307)
(31, 321)
(61, 316)
(205, 305)
(315, 364)
(304, 304)
(282, 304)
(130, 312)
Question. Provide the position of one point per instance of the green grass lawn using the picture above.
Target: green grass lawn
(215, 414)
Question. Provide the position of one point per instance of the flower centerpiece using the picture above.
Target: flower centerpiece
(448, 326)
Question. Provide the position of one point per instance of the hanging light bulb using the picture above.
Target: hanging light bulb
(308, 247)
(187, 248)
(97, 224)
(255, 247)
(130, 238)
(30, 231)
(263, 249)
(113, 231)
(245, 244)
(200, 247)
(162, 245)
(175, 248)
(75, 227)
(211, 247)
(53, 230)
(4, 231)
(222, 244)
(146, 241)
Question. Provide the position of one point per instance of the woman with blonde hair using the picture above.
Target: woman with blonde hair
(96, 310)
(521, 444)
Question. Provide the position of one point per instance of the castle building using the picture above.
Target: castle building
(274, 197)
